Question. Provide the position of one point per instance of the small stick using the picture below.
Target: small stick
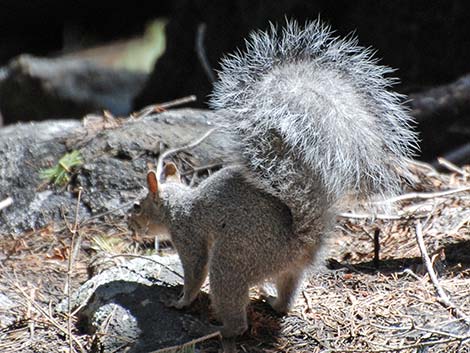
(193, 180)
(76, 225)
(443, 298)
(5, 203)
(47, 316)
(127, 204)
(179, 149)
(442, 333)
(377, 248)
(412, 274)
(423, 165)
(202, 168)
(307, 301)
(425, 195)
(201, 52)
(73, 252)
(190, 343)
(368, 215)
(29, 314)
(148, 259)
(451, 166)
(158, 108)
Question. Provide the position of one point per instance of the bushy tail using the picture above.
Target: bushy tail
(314, 115)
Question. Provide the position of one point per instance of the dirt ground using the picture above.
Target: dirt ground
(365, 299)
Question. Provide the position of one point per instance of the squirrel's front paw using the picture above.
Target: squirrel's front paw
(179, 304)
(175, 303)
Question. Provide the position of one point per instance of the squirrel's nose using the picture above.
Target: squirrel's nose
(136, 207)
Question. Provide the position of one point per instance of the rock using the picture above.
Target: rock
(120, 329)
(125, 302)
(34, 88)
(24, 150)
(115, 163)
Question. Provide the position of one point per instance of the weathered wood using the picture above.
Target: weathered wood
(33, 88)
(443, 116)
(449, 102)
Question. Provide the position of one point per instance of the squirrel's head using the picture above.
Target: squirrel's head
(147, 215)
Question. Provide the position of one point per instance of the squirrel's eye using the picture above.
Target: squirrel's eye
(136, 207)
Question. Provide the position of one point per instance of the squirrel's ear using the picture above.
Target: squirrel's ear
(152, 182)
(171, 172)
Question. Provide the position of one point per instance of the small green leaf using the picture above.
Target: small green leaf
(60, 173)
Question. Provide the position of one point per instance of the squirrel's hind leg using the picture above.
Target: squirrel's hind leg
(287, 284)
(230, 305)
(234, 320)
(229, 297)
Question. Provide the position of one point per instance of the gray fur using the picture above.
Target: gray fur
(238, 233)
(313, 114)
(313, 121)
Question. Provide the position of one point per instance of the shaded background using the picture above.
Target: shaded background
(428, 43)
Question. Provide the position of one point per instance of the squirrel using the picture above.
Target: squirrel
(312, 121)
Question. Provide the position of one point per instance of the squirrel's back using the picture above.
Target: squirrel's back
(314, 118)
(235, 204)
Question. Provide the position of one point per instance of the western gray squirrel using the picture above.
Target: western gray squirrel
(312, 120)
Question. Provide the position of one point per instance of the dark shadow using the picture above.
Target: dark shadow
(159, 326)
(457, 259)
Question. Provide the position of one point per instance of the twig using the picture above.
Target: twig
(368, 215)
(165, 154)
(127, 204)
(5, 203)
(29, 314)
(442, 333)
(77, 244)
(391, 348)
(425, 195)
(158, 108)
(201, 52)
(409, 272)
(451, 166)
(47, 316)
(307, 301)
(148, 259)
(423, 165)
(190, 343)
(443, 298)
(73, 252)
(193, 180)
(202, 168)
(410, 346)
(377, 248)
(106, 324)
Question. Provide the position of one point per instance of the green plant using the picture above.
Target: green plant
(60, 173)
